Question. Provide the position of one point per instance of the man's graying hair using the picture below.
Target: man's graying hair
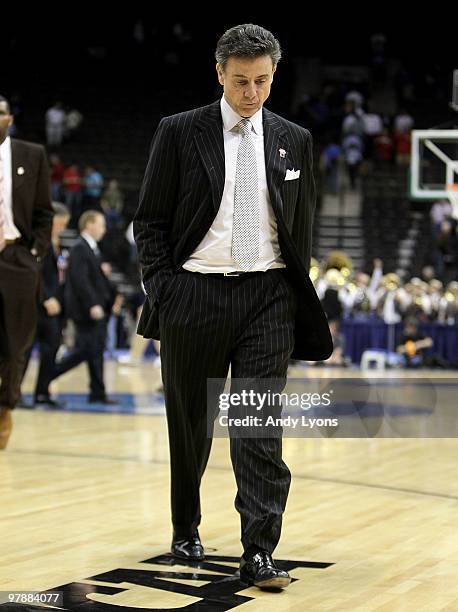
(247, 40)
(60, 210)
(3, 99)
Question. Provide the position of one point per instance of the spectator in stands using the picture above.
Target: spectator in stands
(55, 124)
(403, 122)
(384, 146)
(373, 127)
(418, 303)
(448, 305)
(92, 192)
(435, 292)
(413, 344)
(427, 273)
(73, 122)
(355, 99)
(403, 146)
(359, 297)
(72, 192)
(112, 204)
(353, 152)
(57, 176)
(89, 299)
(390, 299)
(440, 211)
(329, 165)
(353, 122)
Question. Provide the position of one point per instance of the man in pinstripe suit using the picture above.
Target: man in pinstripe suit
(223, 230)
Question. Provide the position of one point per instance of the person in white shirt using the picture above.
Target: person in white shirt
(55, 124)
(223, 231)
(25, 234)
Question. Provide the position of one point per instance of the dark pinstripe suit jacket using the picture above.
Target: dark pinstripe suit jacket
(180, 196)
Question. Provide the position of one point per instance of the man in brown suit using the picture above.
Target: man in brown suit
(25, 231)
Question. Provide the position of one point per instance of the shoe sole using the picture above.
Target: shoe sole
(277, 582)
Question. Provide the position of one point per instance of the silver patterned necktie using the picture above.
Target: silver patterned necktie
(2, 208)
(245, 229)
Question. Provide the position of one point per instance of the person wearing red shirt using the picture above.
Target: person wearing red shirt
(72, 189)
(57, 176)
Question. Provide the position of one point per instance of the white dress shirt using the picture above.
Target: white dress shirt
(213, 254)
(55, 117)
(11, 231)
(91, 242)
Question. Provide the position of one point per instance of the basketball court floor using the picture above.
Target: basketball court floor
(371, 522)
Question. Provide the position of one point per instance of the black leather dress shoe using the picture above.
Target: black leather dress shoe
(189, 547)
(260, 570)
(45, 400)
(103, 400)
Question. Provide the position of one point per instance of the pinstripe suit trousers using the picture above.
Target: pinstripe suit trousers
(208, 322)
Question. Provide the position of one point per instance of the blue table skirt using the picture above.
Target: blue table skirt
(373, 333)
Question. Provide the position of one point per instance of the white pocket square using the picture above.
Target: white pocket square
(292, 175)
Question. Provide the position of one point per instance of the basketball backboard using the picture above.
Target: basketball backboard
(434, 163)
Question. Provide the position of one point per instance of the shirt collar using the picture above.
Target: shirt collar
(90, 240)
(231, 118)
(5, 147)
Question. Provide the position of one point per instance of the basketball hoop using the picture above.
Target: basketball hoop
(452, 194)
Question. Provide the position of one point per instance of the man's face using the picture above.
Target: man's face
(97, 228)
(6, 120)
(246, 83)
